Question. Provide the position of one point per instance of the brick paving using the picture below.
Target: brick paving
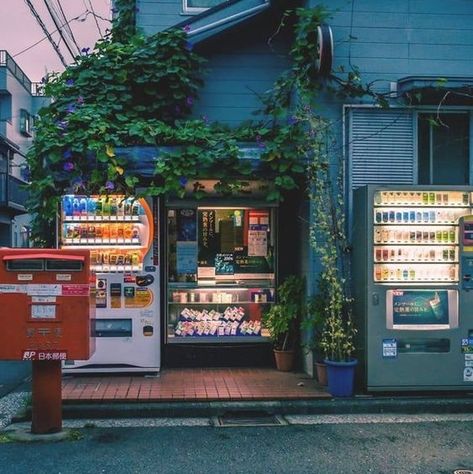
(202, 384)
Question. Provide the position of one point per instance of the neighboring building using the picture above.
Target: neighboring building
(20, 100)
(403, 48)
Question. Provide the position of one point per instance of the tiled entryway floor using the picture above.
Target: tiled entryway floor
(194, 385)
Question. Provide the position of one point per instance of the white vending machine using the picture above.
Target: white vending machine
(121, 234)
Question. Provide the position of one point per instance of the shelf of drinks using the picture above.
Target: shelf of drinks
(422, 198)
(419, 225)
(415, 272)
(466, 207)
(105, 219)
(136, 244)
(397, 282)
(416, 244)
(116, 268)
(414, 262)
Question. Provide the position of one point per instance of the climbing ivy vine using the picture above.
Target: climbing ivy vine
(139, 90)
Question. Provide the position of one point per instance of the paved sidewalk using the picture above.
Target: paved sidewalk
(194, 385)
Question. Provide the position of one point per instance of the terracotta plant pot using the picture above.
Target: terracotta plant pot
(284, 360)
(321, 370)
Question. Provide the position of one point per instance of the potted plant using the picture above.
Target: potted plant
(282, 321)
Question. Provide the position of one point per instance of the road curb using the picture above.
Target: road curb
(362, 405)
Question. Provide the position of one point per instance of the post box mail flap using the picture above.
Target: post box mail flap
(44, 261)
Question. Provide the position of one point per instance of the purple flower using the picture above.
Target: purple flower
(71, 108)
(183, 181)
(68, 166)
(205, 119)
(189, 46)
(260, 142)
(67, 154)
(292, 120)
(80, 100)
(85, 50)
(115, 10)
(189, 101)
(109, 186)
(70, 82)
(187, 28)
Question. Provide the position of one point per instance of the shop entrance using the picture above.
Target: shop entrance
(220, 274)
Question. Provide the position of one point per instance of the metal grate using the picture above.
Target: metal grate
(239, 419)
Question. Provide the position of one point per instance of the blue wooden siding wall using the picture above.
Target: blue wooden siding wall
(403, 37)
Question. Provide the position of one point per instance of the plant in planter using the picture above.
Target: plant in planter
(313, 325)
(282, 321)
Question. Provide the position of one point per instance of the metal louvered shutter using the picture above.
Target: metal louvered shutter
(381, 147)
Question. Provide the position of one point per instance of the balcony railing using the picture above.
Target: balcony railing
(13, 196)
(7, 61)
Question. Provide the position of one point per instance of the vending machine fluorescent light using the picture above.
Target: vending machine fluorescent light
(121, 235)
(411, 268)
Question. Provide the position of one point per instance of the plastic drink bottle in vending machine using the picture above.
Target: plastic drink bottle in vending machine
(67, 206)
(75, 207)
(83, 206)
(91, 207)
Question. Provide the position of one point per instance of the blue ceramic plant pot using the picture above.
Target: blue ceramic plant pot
(341, 377)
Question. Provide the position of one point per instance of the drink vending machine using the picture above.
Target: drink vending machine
(120, 233)
(413, 286)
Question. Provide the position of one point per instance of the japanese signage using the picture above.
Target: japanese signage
(414, 307)
(44, 355)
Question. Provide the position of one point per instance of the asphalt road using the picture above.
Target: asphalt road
(416, 445)
(12, 373)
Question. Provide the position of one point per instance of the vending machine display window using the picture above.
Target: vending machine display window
(221, 273)
(117, 229)
(422, 309)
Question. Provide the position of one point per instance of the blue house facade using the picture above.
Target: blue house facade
(20, 100)
(415, 53)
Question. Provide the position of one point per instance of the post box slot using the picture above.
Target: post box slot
(64, 265)
(22, 265)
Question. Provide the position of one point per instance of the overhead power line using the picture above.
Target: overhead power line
(67, 27)
(95, 17)
(82, 17)
(52, 14)
(46, 32)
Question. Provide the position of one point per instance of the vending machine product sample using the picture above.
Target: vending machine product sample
(120, 234)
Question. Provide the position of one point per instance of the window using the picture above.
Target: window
(196, 6)
(443, 148)
(26, 123)
(228, 244)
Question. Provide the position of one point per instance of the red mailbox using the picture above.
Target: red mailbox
(46, 308)
(46, 303)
